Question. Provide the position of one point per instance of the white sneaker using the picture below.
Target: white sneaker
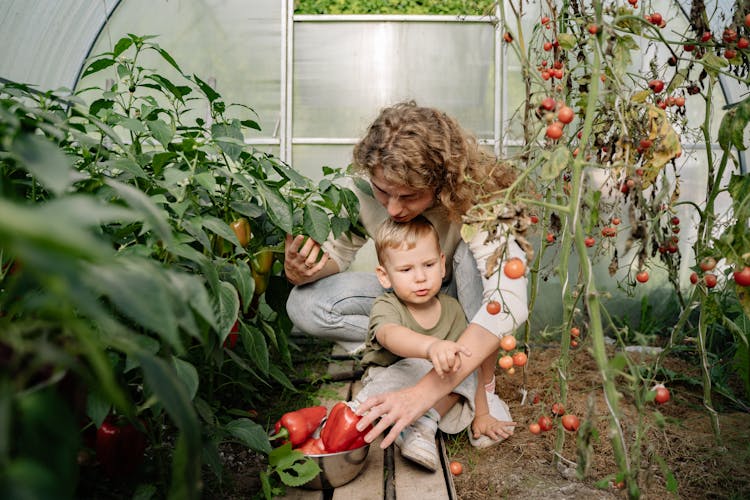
(500, 411)
(417, 443)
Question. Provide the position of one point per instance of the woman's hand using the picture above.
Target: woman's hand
(303, 260)
(397, 409)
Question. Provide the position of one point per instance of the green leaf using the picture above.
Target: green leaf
(133, 125)
(242, 278)
(279, 210)
(247, 209)
(281, 377)
(162, 131)
(97, 407)
(315, 223)
(45, 161)
(171, 87)
(228, 306)
(293, 468)
(250, 434)
(567, 40)
(219, 227)
(556, 163)
(255, 345)
(154, 217)
(121, 46)
(187, 373)
(228, 136)
(210, 93)
(97, 66)
(139, 292)
(127, 165)
(167, 57)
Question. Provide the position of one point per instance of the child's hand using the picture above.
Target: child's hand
(444, 355)
(489, 426)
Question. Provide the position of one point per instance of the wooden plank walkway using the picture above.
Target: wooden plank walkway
(385, 475)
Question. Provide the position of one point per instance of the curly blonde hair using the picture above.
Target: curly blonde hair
(424, 148)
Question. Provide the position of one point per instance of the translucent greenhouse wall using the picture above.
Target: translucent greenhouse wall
(315, 82)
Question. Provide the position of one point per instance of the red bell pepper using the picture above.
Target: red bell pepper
(340, 430)
(119, 447)
(231, 341)
(299, 425)
(313, 446)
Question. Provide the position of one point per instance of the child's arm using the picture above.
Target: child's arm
(484, 423)
(407, 343)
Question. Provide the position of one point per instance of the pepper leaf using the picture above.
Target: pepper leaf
(250, 434)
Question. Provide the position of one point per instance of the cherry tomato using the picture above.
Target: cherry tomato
(550, 237)
(566, 114)
(505, 362)
(534, 428)
(575, 332)
(456, 468)
(656, 85)
(593, 29)
(710, 280)
(708, 263)
(507, 37)
(570, 422)
(642, 277)
(519, 359)
(545, 423)
(656, 19)
(558, 409)
(742, 276)
(694, 278)
(662, 395)
(514, 268)
(554, 130)
(508, 343)
(616, 221)
(534, 219)
(493, 307)
(548, 103)
(589, 241)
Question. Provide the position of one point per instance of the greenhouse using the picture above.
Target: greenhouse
(275, 248)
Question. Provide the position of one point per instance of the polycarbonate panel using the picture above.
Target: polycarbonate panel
(44, 42)
(344, 72)
(310, 159)
(235, 45)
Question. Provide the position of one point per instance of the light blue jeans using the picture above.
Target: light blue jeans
(337, 308)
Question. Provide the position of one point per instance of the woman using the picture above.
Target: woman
(419, 162)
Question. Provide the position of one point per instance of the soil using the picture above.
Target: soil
(525, 467)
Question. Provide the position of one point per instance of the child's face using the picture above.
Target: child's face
(415, 274)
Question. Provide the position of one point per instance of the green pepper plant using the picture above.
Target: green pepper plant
(127, 293)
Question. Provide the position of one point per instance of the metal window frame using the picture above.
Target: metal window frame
(287, 141)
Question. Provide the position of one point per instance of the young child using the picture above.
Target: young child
(413, 329)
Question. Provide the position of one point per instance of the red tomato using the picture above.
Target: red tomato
(534, 428)
(693, 278)
(505, 362)
(514, 268)
(656, 85)
(456, 468)
(742, 277)
(662, 395)
(550, 237)
(519, 359)
(730, 53)
(656, 19)
(548, 103)
(710, 280)
(570, 422)
(589, 241)
(493, 307)
(507, 37)
(508, 343)
(593, 29)
(534, 219)
(743, 43)
(545, 423)
(575, 332)
(554, 130)
(558, 409)
(565, 114)
(642, 277)
(675, 221)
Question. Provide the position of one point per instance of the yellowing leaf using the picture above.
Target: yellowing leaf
(667, 144)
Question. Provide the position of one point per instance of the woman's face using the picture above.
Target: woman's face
(403, 203)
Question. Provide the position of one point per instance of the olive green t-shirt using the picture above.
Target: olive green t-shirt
(388, 309)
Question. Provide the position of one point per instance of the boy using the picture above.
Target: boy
(413, 329)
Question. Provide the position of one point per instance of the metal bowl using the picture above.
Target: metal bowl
(337, 469)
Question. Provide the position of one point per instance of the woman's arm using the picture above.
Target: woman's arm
(401, 408)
